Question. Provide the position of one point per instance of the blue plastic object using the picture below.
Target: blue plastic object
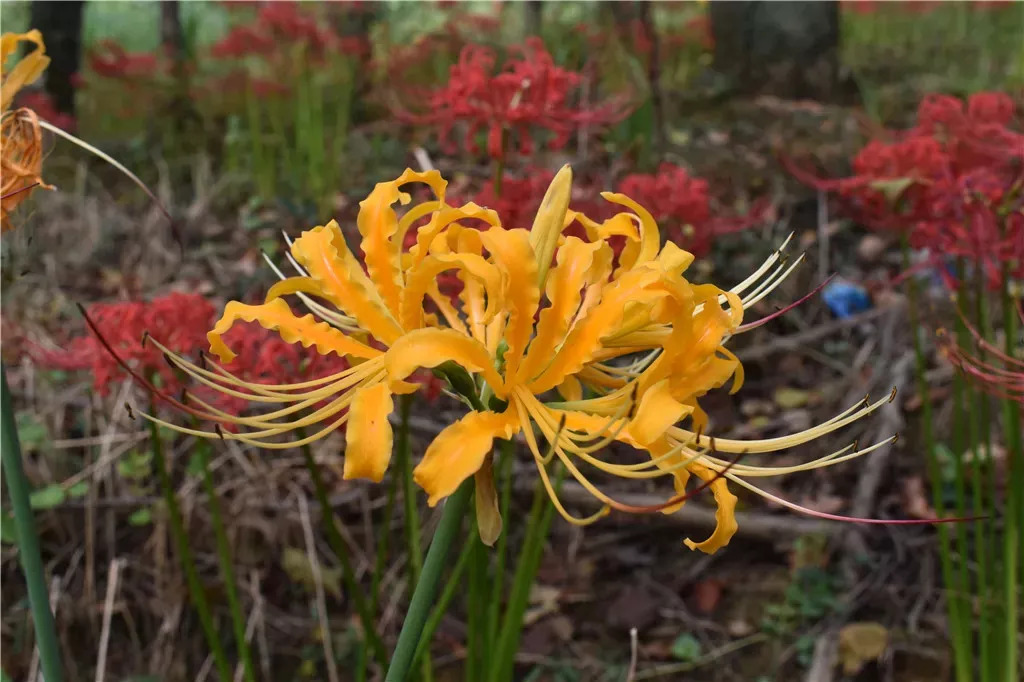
(845, 299)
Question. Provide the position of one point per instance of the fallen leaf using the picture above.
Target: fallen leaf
(790, 398)
(706, 595)
(860, 643)
(295, 563)
(915, 500)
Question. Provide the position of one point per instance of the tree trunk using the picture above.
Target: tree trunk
(534, 17)
(61, 25)
(787, 49)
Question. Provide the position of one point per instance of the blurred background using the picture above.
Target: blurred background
(732, 122)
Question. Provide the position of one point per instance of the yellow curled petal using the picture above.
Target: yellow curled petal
(488, 515)
(650, 237)
(368, 438)
(293, 285)
(571, 389)
(550, 221)
(378, 224)
(423, 275)
(573, 270)
(657, 411)
(674, 260)
(445, 217)
(324, 254)
(459, 451)
(25, 71)
(511, 250)
(434, 346)
(277, 316)
(725, 515)
(584, 340)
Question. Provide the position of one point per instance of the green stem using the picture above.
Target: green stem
(1013, 568)
(977, 428)
(226, 569)
(28, 540)
(957, 622)
(538, 525)
(455, 508)
(447, 594)
(508, 452)
(412, 515)
(337, 545)
(188, 562)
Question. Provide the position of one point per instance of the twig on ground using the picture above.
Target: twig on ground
(113, 578)
(321, 599)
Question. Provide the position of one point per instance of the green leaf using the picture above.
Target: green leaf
(135, 465)
(48, 497)
(31, 432)
(8, 531)
(196, 463)
(893, 187)
(141, 517)
(78, 490)
(686, 647)
(296, 564)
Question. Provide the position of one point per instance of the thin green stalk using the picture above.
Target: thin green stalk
(455, 508)
(28, 540)
(507, 449)
(964, 439)
(477, 610)
(976, 428)
(957, 622)
(225, 560)
(337, 545)
(447, 594)
(1013, 575)
(188, 562)
(502, 663)
(383, 545)
(412, 515)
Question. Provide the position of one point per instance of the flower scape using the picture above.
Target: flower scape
(550, 337)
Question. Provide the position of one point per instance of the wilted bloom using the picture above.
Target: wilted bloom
(551, 338)
(529, 92)
(989, 367)
(20, 137)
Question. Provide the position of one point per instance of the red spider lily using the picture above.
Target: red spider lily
(110, 60)
(41, 103)
(529, 92)
(988, 366)
(681, 203)
(243, 41)
(952, 182)
(519, 198)
(179, 320)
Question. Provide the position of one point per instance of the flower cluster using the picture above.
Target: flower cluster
(21, 146)
(280, 24)
(108, 59)
(180, 322)
(549, 337)
(952, 182)
(528, 92)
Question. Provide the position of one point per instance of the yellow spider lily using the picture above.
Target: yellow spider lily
(629, 345)
(21, 144)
